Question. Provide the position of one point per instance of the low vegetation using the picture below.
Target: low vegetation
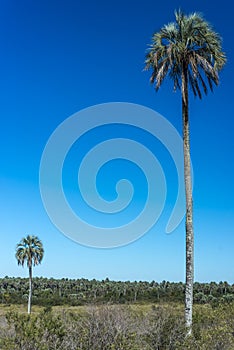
(117, 327)
(110, 315)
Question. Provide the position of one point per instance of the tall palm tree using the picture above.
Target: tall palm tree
(190, 53)
(31, 251)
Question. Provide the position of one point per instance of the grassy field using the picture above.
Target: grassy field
(116, 327)
(140, 308)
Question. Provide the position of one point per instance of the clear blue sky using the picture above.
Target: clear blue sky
(58, 57)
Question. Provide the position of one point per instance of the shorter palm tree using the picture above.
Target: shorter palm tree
(30, 250)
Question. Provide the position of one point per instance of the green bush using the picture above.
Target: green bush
(35, 332)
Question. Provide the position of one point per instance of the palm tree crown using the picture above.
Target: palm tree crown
(189, 43)
(29, 250)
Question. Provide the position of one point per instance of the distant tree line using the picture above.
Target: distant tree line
(51, 292)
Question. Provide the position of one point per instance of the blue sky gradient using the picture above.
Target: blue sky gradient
(59, 57)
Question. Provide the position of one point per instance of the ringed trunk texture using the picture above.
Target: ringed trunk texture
(30, 290)
(189, 206)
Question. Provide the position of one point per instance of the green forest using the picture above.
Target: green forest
(74, 292)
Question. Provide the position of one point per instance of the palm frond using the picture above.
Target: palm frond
(189, 41)
(29, 250)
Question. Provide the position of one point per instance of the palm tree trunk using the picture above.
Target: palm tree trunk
(30, 290)
(189, 205)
